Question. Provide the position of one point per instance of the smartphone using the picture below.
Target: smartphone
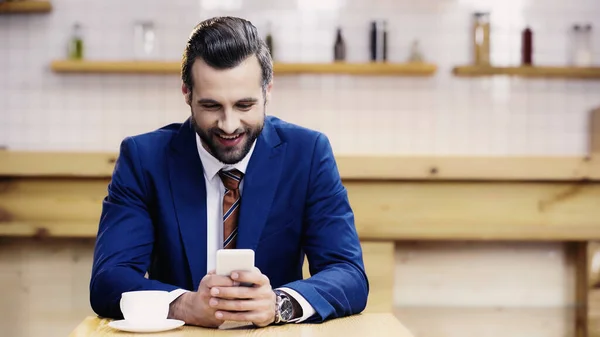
(229, 260)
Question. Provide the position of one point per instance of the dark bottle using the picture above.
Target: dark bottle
(339, 49)
(384, 42)
(373, 41)
(269, 40)
(527, 47)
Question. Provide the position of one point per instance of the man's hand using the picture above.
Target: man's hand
(254, 304)
(193, 307)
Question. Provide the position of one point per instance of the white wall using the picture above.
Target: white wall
(438, 115)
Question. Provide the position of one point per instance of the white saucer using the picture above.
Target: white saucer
(167, 324)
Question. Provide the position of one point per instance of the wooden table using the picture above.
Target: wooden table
(367, 325)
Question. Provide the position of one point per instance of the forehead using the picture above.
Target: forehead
(242, 80)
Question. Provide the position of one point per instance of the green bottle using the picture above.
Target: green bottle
(76, 43)
(269, 40)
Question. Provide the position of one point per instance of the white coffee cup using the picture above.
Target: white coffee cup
(145, 307)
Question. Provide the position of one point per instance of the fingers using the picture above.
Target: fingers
(236, 305)
(255, 277)
(211, 280)
(243, 304)
(235, 292)
(249, 316)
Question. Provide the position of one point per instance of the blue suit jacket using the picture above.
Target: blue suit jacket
(154, 220)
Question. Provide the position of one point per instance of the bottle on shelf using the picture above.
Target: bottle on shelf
(481, 39)
(144, 40)
(415, 52)
(527, 47)
(269, 40)
(384, 35)
(76, 43)
(582, 46)
(373, 41)
(378, 41)
(339, 48)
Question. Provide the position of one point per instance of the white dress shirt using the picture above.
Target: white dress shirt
(214, 212)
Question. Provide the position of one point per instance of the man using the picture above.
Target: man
(229, 177)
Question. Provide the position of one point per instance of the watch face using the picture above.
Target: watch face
(287, 310)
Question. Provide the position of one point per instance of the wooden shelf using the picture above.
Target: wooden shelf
(158, 67)
(533, 72)
(115, 67)
(384, 69)
(25, 7)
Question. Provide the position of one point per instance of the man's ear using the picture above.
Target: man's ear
(268, 92)
(187, 94)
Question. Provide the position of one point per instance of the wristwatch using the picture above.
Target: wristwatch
(284, 308)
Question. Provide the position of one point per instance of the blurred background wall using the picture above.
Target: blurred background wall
(440, 115)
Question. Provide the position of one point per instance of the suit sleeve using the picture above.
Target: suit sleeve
(338, 286)
(125, 237)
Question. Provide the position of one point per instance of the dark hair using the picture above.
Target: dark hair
(223, 43)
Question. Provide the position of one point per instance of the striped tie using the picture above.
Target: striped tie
(231, 206)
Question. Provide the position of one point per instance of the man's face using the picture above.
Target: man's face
(228, 108)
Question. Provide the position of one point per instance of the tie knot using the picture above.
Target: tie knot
(231, 179)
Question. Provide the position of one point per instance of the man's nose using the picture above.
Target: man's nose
(229, 122)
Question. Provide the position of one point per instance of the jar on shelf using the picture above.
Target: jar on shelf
(582, 54)
(481, 38)
(144, 42)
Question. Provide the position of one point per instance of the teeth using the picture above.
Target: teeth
(229, 137)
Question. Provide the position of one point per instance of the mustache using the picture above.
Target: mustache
(220, 132)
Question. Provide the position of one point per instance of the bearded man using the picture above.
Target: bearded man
(229, 177)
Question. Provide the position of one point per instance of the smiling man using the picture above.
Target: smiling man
(229, 177)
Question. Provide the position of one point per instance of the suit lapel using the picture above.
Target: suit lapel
(260, 184)
(188, 191)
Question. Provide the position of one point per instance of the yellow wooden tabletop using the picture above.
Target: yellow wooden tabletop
(367, 325)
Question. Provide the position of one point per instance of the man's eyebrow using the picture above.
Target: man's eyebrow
(248, 100)
(207, 101)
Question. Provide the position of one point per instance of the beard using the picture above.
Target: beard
(228, 154)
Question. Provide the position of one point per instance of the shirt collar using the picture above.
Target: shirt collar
(212, 165)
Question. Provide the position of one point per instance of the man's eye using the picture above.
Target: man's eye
(211, 106)
(244, 106)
